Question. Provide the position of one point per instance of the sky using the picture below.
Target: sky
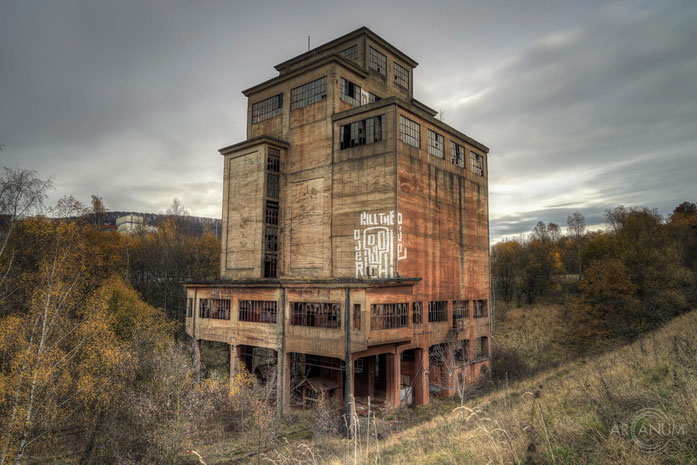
(584, 105)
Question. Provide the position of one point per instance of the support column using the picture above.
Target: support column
(369, 366)
(197, 358)
(234, 362)
(421, 381)
(283, 383)
(393, 379)
(448, 371)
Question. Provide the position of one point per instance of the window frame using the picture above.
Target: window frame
(267, 108)
(435, 140)
(400, 75)
(409, 132)
(309, 93)
(375, 59)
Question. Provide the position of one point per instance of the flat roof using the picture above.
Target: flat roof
(291, 282)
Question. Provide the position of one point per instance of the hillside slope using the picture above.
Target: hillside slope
(593, 410)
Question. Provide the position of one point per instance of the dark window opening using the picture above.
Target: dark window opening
(257, 311)
(481, 309)
(350, 92)
(437, 311)
(388, 316)
(273, 160)
(271, 216)
(272, 185)
(363, 132)
(315, 314)
(267, 109)
(271, 239)
(481, 347)
(270, 262)
(217, 309)
(356, 316)
(417, 313)
(189, 307)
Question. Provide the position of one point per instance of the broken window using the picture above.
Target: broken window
(268, 108)
(457, 154)
(270, 262)
(351, 53)
(480, 309)
(356, 316)
(477, 163)
(377, 61)
(307, 94)
(362, 132)
(315, 314)
(350, 92)
(271, 239)
(272, 185)
(218, 309)
(401, 75)
(389, 316)
(437, 311)
(271, 214)
(461, 310)
(481, 347)
(257, 311)
(417, 313)
(410, 132)
(436, 144)
(368, 97)
(273, 160)
(189, 307)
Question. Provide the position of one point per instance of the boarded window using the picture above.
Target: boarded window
(437, 311)
(268, 108)
(315, 314)
(389, 316)
(257, 311)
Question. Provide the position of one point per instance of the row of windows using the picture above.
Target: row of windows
(378, 62)
(308, 94)
(410, 133)
(273, 193)
(367, 131)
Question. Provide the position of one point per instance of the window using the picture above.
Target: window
(218, 309)
(461, 310)
(270, 262)
(437, 311)
(271, 239)
(307, 94)
(389, 316)
(401, 75)
(480, 309)
(436, 144)
(356, 316)
(477, 163)
(368, 97)
(258, 311)
(417, 313)
(273, 160)
(351, 53)
(350, 92)
(315, 314)
(377, 61)
(481, 347)
(457, 154)
(271, 214)
(189, 307)
(410, 132)
(272, 185)
(267, 108)
(362, 132)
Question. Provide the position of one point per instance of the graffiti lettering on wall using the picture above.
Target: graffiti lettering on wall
(378, 243)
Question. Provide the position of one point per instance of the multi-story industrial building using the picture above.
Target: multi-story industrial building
(355, 242)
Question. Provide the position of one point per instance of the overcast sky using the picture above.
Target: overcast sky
(584, 105)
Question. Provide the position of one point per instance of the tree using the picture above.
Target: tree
(540, 260)
(177, 209)
(576, 228)
(506, 264)
(98, 211)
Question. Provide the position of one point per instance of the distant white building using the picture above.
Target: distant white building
(130, 224)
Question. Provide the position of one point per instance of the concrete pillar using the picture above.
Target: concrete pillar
(369, 366)
(283, 383)
(421, 380)
(448, 371)
(393, 379)
(197, 358)
(234, 362)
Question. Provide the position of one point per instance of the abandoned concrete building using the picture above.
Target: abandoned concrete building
(355, 245)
